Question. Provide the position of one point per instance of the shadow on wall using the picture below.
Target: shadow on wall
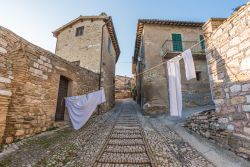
(230, 86)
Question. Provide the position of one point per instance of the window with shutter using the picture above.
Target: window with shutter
(202, 42)
(177, 43)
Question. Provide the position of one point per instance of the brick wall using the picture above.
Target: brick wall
(34, 86)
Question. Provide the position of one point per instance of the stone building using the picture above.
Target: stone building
(156, 42)
(228, 57)
(123, 87)
(33, 84)
(91, 42)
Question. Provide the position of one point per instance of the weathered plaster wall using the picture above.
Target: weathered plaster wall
(228, 57)
(85, 48)
(155, 87)
(34, 86)
(108, 74)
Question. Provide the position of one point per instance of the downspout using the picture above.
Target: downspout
(101, 56)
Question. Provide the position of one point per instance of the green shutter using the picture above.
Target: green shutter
(177, 43)
(202, 42)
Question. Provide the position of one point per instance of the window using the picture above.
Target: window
(109, 45)
(198, 75)
(202, 42)
(79, 31)
(177, 43)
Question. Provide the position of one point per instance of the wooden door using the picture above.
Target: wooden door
(62, 92)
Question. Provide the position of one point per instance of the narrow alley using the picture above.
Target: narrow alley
(121, 137)
(125, 84)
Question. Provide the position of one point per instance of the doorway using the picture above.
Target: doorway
(62, 92)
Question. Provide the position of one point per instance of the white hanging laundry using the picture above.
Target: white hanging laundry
(189, 64)
(80, 108)
(175, 94)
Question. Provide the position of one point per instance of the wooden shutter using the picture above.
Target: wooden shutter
(177, 43)
(202, 42)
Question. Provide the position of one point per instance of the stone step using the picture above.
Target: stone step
(126, 136)
(127, 122)
(125, 149)
(128, 125)
(121, 165)
(122, 131)
(125, 142)
(124, 158)
(118, 127)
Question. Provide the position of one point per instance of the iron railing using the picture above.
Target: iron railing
(170, 46)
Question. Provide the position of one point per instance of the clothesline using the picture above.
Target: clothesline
(106, 87)
(150, 69)
(178, 56)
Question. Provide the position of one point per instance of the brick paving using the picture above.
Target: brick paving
(119, 138)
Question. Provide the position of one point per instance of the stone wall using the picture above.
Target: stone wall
(212, 126)
(123, 87)
(34, 86)
(228, 57)
(5, 83)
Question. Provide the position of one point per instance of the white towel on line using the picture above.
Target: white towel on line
(189, 64)
(80, 108)
(175, 94)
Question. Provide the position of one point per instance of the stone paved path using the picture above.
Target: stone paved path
(119, 138)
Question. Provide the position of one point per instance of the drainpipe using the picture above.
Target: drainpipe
(101, 56)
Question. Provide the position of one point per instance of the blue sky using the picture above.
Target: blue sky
(36, 19)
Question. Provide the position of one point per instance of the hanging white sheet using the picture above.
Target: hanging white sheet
(80, 108)
(175, 94)
(189, 64)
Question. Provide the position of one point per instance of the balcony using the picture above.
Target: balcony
(170, 46)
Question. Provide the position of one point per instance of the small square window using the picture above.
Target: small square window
(79, 31)
(198, 75)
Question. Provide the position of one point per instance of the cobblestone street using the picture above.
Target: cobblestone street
(121, 137)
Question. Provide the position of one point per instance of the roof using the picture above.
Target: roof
(110, 27)
(141, 22)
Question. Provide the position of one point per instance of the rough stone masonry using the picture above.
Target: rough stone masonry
(29, 79)
(228, 58)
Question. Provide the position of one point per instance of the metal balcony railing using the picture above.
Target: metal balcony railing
(170, 46)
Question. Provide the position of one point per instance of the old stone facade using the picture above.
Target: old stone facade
(123, 87)
(228, 57)
(30, 82)
(91, 42)
(155, 44)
